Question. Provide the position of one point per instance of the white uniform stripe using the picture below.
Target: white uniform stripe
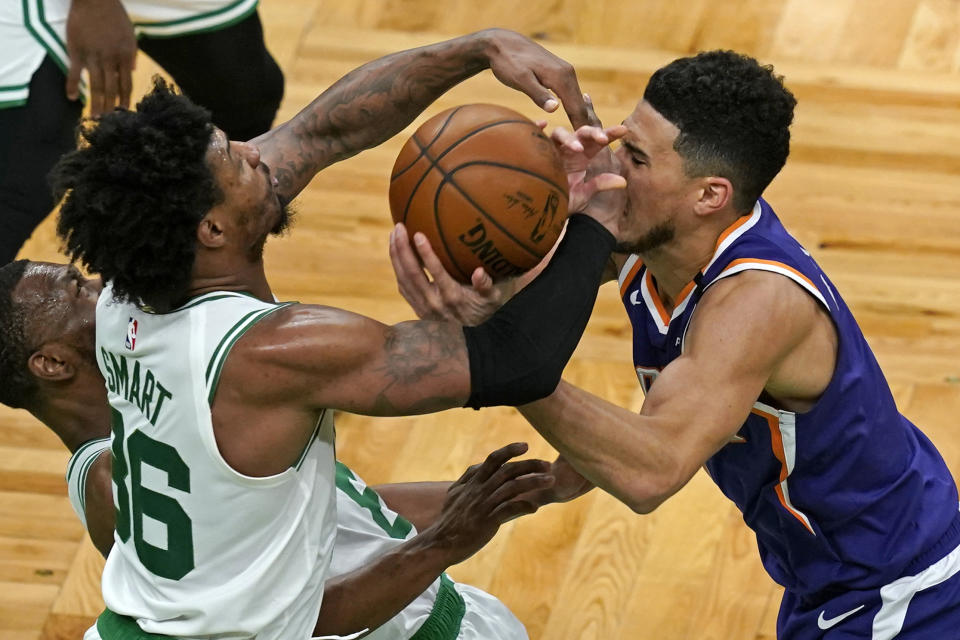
(33, 17)
(786, 424)
(733, 237)
(897, 595)
(652, 307)
(211, 21)
(826, 285)
(760, 266)
(625, 270)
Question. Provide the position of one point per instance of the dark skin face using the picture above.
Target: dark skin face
(252, 208)
(62, 305)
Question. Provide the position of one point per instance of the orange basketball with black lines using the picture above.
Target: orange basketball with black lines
(485, 185)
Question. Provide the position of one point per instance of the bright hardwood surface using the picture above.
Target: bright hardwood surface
(871, 189)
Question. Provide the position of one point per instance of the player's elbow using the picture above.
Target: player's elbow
(644, 494)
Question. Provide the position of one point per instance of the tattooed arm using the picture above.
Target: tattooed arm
(321, 357)
(379, 99)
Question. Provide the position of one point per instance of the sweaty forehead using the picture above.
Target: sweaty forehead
(42, 282)
(42, 292)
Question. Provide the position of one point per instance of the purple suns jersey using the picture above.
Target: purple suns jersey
(848, 495)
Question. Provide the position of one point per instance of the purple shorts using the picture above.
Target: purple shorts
(925, 606)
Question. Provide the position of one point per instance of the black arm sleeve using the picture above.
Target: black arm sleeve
(518, 355)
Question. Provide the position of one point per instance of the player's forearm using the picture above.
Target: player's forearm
(418, 502)
(98, 503)
(369, 597)
(518, 355)
(368, 106)
(612, 447)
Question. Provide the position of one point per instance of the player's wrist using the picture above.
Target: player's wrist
(435, 548)
(487, 46)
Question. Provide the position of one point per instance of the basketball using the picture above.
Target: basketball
(487, 188)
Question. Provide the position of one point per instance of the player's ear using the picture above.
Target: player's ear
(52, 362)
(715, 194)
(210, 231)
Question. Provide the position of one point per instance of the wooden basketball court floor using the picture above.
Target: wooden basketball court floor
(872, 188)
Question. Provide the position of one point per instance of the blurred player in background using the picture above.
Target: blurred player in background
(214, 49)
(374, 525)
(752, 367)
(232, 394)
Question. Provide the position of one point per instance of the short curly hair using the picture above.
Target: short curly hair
(19, 388)
(734, 117)
(134, 192)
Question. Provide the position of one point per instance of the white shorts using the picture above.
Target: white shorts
(30, 29)
(485, 618)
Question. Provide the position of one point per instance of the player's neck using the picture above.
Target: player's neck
(248, 277)
(675, 264)
(77, 413)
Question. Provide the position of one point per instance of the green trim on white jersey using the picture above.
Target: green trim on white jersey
(219, 357)
(77, 471)
(201, 23)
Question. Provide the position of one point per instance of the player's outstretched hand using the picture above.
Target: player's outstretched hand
(486, 496)
(587, 148)
(100, 39)
(593, 172)
(522, 64)
(433, 294)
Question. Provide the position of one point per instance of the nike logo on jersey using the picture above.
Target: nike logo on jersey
(635, 297)
(824, 623)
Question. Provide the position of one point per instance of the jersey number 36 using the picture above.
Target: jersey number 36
(176, 560)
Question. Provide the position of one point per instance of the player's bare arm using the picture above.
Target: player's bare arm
(752, 333)
(377, 100)
(346, 361)
(305, 358)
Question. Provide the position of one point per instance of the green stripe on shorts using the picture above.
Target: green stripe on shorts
(447, 615)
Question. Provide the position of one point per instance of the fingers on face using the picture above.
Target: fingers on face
(567, 140)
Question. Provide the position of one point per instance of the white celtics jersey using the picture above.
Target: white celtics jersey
(32, 29)
(366, 529)
(200, 549)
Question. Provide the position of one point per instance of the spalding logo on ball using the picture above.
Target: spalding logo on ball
(487, 188)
